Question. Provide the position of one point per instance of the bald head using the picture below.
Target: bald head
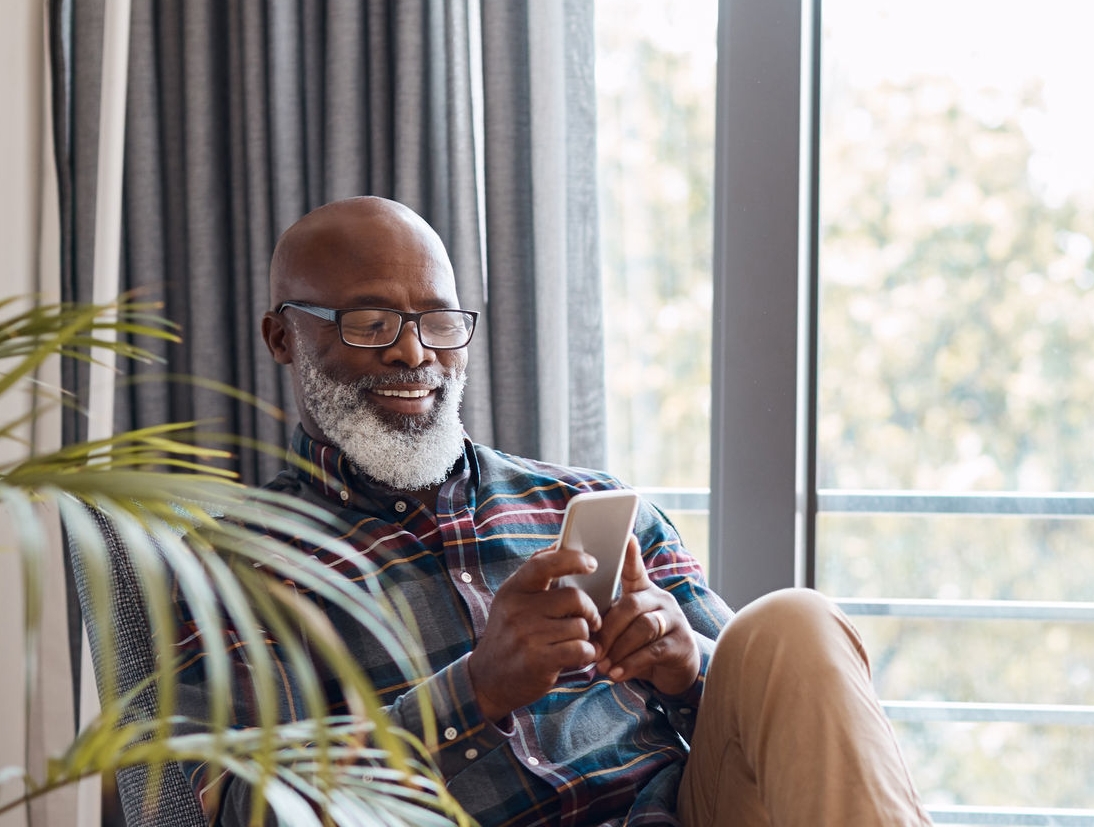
(364, 253)
(339, 243)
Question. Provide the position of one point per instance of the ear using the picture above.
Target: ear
(278, 337)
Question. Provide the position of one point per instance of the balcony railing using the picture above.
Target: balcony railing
(905, 502)
(990, 504)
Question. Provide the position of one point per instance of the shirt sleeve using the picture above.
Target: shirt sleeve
(224, 799)
(457, 736)
(673, 568)
(462, 734)
(681, 710)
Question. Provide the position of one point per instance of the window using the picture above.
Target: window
(902, 202)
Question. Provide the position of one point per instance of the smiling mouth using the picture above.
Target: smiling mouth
(403, 394)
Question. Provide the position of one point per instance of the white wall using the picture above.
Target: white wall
(29, 244)
(20, 85)
(21, 101)
(30, 262)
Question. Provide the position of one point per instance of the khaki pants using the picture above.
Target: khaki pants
(790, 732)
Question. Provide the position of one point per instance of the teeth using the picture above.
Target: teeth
(404, 394)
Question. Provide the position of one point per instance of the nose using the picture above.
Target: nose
(407, 350)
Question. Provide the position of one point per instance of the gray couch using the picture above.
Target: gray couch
(172, 803)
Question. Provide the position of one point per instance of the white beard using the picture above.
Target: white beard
(406, 453)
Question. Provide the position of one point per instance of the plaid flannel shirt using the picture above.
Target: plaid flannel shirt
(591, 751)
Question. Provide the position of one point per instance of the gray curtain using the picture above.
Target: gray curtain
(242, 116)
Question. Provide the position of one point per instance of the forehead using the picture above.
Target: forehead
(380, 283)
(354, 257)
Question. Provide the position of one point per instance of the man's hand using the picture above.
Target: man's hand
(533, 633)
(645, 634)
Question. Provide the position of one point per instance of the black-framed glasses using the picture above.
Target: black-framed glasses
(382, 326)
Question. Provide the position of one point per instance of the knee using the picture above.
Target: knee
(797, 606)
(795, 623)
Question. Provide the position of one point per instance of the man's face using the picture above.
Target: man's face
(386, 407)
(402, 383)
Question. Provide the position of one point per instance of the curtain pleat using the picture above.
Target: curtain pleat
(76, 61)
(510, 253)
(547, 366)
(587, 434)
(243, 116)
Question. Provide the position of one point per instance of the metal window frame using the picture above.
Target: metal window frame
(761, 522)
(1013, 817)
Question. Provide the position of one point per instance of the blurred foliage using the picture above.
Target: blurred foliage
(957, 302)
(956, 321)
(999, 764)
(655, 87)
(956, 557)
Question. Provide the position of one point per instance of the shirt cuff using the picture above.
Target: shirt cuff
(463, 734)
(682, 709)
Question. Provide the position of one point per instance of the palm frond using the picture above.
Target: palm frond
(43, 332)
(197, 535)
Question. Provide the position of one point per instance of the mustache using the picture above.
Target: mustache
(428, 378)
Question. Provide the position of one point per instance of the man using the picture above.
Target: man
(666, 710)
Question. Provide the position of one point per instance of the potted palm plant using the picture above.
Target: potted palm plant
(149, 518)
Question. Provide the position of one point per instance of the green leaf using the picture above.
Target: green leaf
(190, 530)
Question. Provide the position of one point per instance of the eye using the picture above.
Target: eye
(370, 326)
(444, 326)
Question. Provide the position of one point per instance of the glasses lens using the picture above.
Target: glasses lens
(445, 328)
(370, 328)
(380, 328)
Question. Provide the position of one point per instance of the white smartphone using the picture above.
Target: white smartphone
(599, 523)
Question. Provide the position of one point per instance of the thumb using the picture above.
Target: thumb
(634, 577)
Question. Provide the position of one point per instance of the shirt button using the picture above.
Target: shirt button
(685, 710)
(400, 506)
(471, 754)
(466, 577)
(451, 733)
(533, 761)
(344, 494)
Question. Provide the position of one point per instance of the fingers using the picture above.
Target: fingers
(533, 633)
(524, 648)
(540, 571)
(536, 577)
(554, 643)
(638, 597)
(644, 631)
(516, 607)
(562, 630)
(655, 642)
(662, 624)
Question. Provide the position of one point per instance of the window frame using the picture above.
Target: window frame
(763, 383)
(763, 498)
